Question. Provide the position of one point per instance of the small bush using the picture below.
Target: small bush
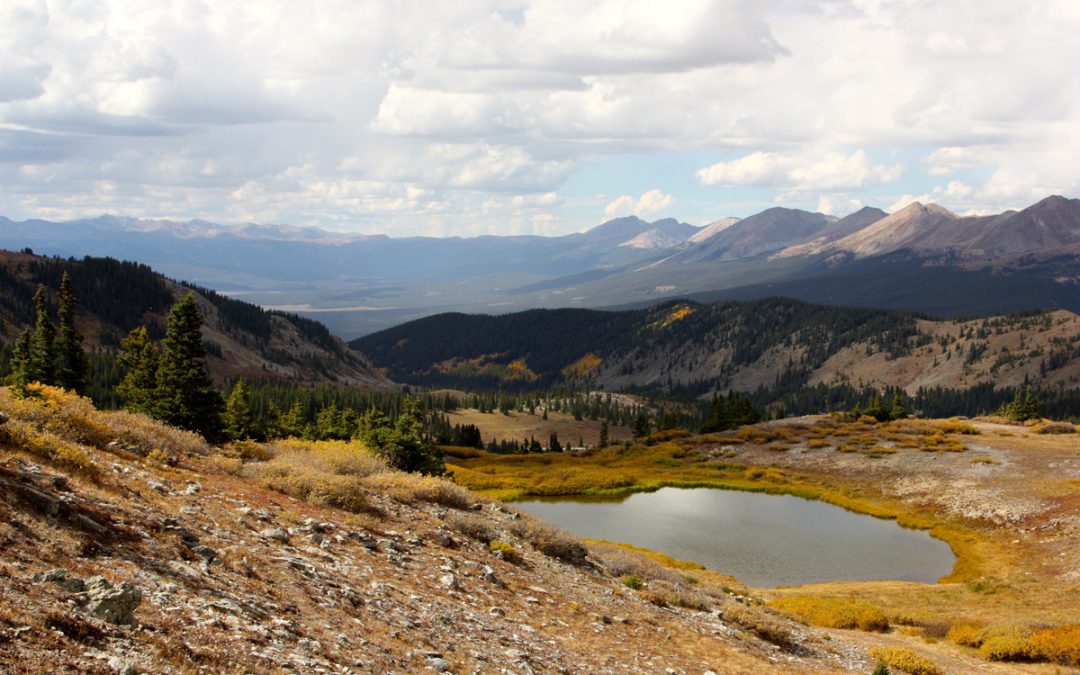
(549, 540)
(505, 551)
(817, 443)
(966, 634)
(905, 659)
(1060, 644)
(1008, 643)
(633, 581)
(954, 427)
(1054, 428)
(409, 488)
(834, 612)
(667, 594)
(759, 622)
(620, 562)
(472, 526)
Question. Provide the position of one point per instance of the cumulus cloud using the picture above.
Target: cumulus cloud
(648, 204)
(806, 171)
(261, 109)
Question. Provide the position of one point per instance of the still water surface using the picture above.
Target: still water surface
(760, 539)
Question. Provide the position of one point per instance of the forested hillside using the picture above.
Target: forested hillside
(241, 339)
(689, 348)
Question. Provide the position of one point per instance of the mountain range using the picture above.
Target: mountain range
(922, 257)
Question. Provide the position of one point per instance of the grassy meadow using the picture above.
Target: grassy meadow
(1008, 593)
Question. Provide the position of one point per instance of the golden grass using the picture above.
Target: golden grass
(905, 659)
(833, 612)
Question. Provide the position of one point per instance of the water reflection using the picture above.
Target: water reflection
(763, 540)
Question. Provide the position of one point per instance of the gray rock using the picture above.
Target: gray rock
(157, 487)
(489, 576)
(3, 418)
(115, 604)
(263, 514)
(59, 576)
(439, 664)
(274, 534)
(449, 581)
(122, 666)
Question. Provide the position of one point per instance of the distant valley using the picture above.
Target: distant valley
(921, 258)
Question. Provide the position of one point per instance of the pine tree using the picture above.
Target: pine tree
(642, 427)
(185, 396)
(291, 423)
(139, 359)
(20, 363)
(71, 362)
(553, 443)
(1031, 405)
(603, 434)
(240, 421)
(897, 409)
(42, 364)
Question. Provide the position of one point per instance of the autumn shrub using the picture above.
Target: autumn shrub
(667, 594)
(758, 621)
(633, 582)
(505, 551)
(1060, 644)
(324, 472)
(966, 634)
(1011, 642)
(905, 659)
(51, 448)
(409, 488)
(956, 427)
(833, 612)
(1054, 428)
(621, 562)
(473, 526)
(817, 443)
(549, 540)
(666, 435)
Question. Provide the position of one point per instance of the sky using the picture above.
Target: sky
(520, 117)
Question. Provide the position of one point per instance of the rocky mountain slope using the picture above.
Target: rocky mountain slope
(241, 339)
(188, 559)
(731, 345)
(358, 284)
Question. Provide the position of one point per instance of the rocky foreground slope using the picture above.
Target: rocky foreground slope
(129, 547)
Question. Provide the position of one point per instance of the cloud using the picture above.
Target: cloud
(806, 171)
(173, 109)
(832, 205)
(648, 204)
(953, 195)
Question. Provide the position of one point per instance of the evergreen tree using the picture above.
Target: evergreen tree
(897, 409)
(553, 443)
(603, 434)
(240, 421)
(20, 363)
(642, 428)
(1031, 405)
(876, 409)
(185, 396)
(71, 361)
(403, 445)
(42, 363)
(139, 360)
(291, 423)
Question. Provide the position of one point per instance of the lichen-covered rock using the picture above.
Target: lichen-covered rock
(115, 604)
